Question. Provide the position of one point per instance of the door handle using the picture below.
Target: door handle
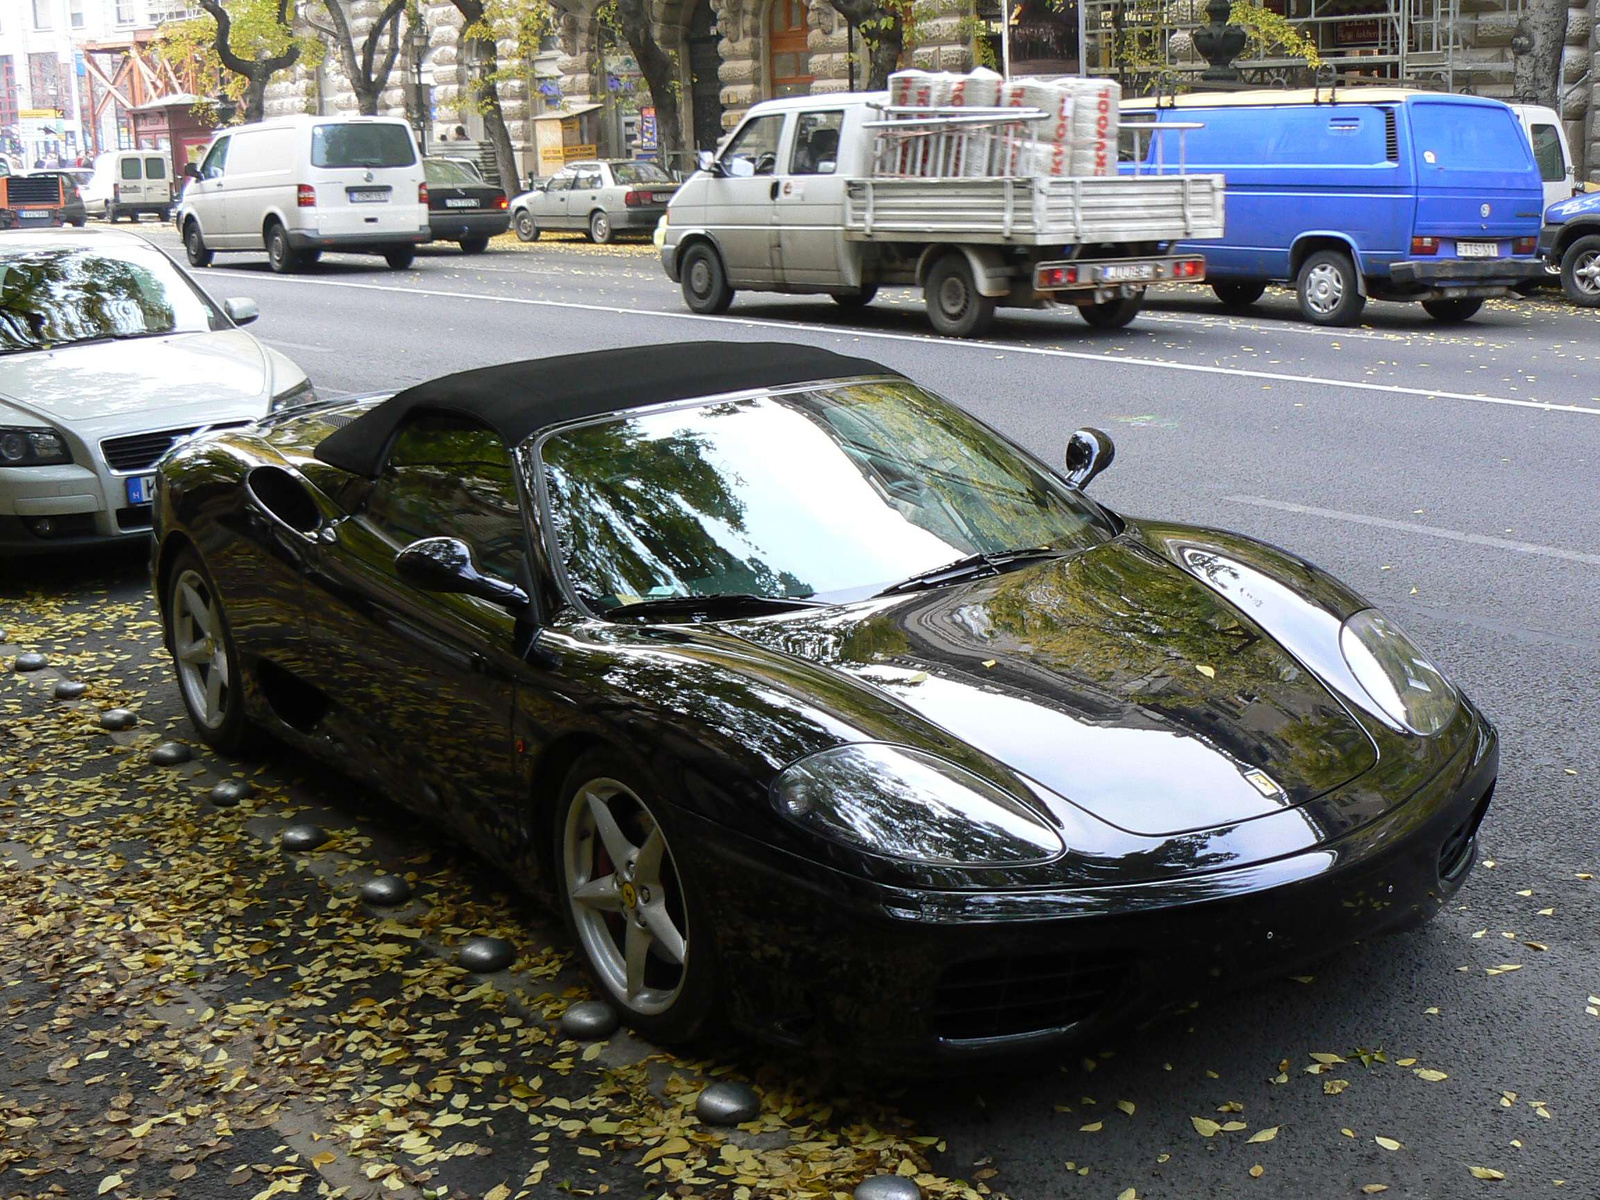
(773, 194)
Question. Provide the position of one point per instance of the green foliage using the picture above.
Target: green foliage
(257, 33)
(1140, 37)
(1272, 35)
(525, 24)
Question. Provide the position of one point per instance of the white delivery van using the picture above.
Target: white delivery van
(127, 183)
(297, 186)
(1550, 151)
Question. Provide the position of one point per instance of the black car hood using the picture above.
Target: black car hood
(1113, 678)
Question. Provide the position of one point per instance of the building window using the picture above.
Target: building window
(788, 57)
(41, 13)
(125, 15)
(75, 13)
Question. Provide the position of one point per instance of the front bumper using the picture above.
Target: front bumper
(357, 243)
(46, 509)
(450, 226)
(915, 975)
(1451, 273)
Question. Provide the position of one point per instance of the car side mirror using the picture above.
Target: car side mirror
(241, 310)
(1089, 451)
(445, 564)
(739, 168)
(707, 161)
(190, 171)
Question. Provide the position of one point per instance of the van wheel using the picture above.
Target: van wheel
(1112, 314)
(1239, 295)
(1329, 292)
(400, 259)
(705, 282)
(955, 307)
(475, 245)
(166, 215)
(194, 245)
(111, 214)
(1580, 272)
(859, 298)
(600, 232)
(527, 228)
(1452, 311)
(281, 257)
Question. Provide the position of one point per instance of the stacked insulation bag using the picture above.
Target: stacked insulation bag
(1077, 137)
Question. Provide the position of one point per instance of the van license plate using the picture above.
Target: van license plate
(368, 195)
(1127, 272)
(141, 489)
(1478, 249)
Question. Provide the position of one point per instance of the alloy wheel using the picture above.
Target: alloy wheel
(1586, 272)
(1324, 288)
(626, 897)
(200, 649)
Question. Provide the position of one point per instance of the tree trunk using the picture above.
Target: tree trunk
(1537, 73)
(484, 56)
(660, 71)
(367, 73)
(258, 71)
(255, 96)
(882, 33)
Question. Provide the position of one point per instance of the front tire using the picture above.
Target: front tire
(527, 228)
(629, 903)
(1112, 314)
(955, 307)
(400, 259)
(705, 282)
(205, 658)
(1452, 312)
(111, 214)
(474, 245)
(1329, 290)
(1239, 295)
(600, 231)
(194, 245)
(1580, 272)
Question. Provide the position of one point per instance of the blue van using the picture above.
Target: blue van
(1386, 194)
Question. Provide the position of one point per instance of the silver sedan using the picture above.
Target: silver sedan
(601, 197)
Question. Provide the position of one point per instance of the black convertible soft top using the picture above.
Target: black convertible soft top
(518, 399)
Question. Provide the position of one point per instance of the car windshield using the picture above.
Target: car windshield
(631, 173)
(56, 296)
(449, 172)
(830, 494)
(362, 146)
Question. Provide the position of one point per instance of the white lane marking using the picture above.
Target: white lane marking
(1388, 389)
(1449, 535)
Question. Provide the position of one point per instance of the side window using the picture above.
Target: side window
(816, 143)
(445, 478)
(1547, 153)
(215, 160)
(130, 168)
(563, 181)
(586, 180)
(155, 168)
(756, 144)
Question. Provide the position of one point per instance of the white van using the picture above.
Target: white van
(126, 183)
(1550, 150)
(301, 185)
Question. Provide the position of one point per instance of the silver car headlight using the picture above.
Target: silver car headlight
(300, 394)
(30, 446)
(1395, 674)
(905, 804)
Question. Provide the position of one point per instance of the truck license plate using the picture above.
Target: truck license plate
(368, 195)
(1127, 272)
(141, 489)
(1478, 249)
(464, 203)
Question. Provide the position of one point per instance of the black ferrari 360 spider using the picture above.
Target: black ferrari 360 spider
(816, 705)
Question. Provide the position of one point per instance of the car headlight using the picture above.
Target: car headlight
(32, 447)
(300, 394)
(908, 805)
(1395, 674)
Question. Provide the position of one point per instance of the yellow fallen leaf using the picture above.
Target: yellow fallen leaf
(918, 677)
(1387, 1143)
(1128, 1194)
(1126, 1106)
(1234, 1126)
(1486, 1173)
(1208, 672)
(1350, 1133)
(1536, 945)
(1429, 1074)
(1372, 1189)
(988, 662)
(1324, 1057)
(498, 1192)
(1092, 1127)
(1334, 1086)
(1205, 1126)
(1257, 1171)
(1263, 1135)
(1161, 1158)
(1432, 1012)
(108, 1183)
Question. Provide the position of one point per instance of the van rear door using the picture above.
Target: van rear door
(1476, 179)
(367, 178)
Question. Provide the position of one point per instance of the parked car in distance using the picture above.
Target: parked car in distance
(73, 211)
(462, 206)
(109, 356)
(1376, 193)
(815, 706)
(1570, 243)
(601, 197)
(130, 183)
(298, 186)
(33, 201)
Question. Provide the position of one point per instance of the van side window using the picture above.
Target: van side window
(757, 144)
(1547, 153)
(130, 168)
(816, 143)
(212, 167)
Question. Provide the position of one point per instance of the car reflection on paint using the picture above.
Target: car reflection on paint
(815, 705)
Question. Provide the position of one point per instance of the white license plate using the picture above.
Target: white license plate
(1126, 272)
(43, 215)
(1478, 249)
(661, 197)
(368, 195)
(461, 204)
(141, 489)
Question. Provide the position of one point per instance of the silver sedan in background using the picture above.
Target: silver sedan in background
(600, 197)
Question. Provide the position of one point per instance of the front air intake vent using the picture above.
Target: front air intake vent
(1391, 136)
(140, 451)
(1023, 994)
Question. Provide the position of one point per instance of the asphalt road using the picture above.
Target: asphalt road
(1449, 474)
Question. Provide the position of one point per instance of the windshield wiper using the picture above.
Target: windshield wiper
(111, 337)
(971, 567)
(723, 604)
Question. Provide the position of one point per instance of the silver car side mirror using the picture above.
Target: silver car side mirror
(741, 168)
(241, 310)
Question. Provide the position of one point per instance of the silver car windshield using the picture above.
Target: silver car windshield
(832, 494)
(59, 296)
